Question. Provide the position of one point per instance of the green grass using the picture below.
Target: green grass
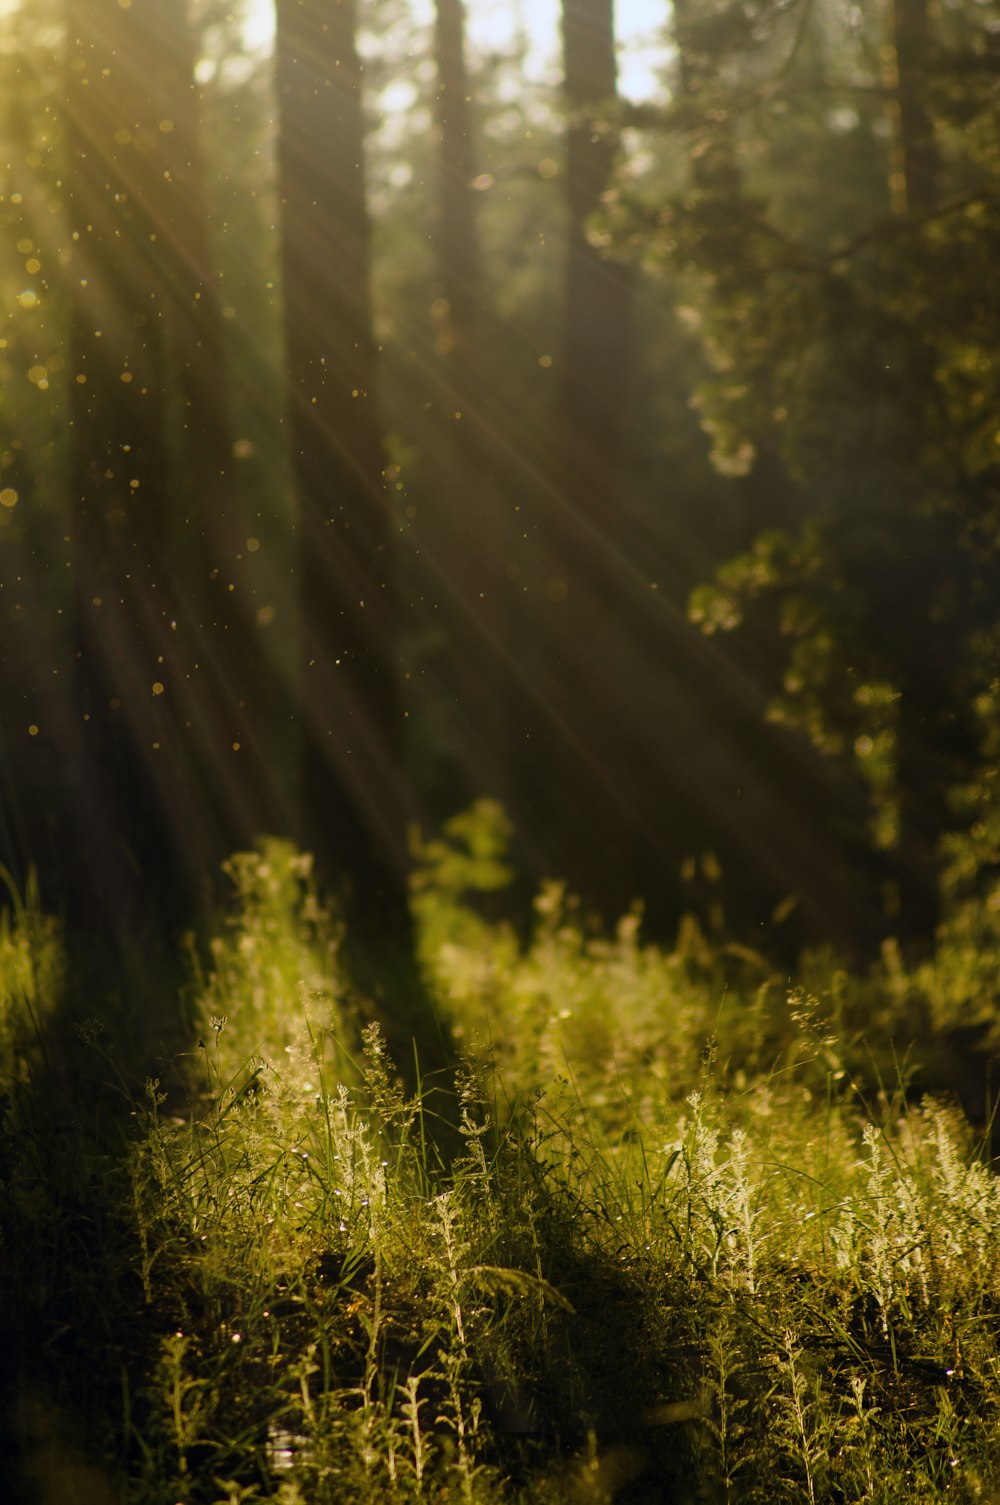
(700, 1239)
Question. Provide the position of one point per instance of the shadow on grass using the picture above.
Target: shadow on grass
(87, 1021)
(93, 1029)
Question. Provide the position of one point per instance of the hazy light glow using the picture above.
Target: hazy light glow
(493, 26)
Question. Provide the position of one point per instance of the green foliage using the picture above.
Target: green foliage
(850, 347)
(31, 976)
(683, 1251)
(468, 856)
(451, 871)
(277, 962)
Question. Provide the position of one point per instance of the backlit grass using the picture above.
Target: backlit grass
(700, 1239)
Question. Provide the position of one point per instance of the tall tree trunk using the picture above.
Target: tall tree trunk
(590, 775)
(467, 465)
(457, 241)
(913, 185)
(237, 703)
(168, 673)
(598, 332)
(353, 801)
(354, 798)
(914, 162)
(124, 738)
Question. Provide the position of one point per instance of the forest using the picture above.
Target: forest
(499, 751)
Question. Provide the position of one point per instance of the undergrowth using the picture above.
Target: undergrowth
(701, 1238)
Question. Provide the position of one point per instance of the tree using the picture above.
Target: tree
(467, 467)
(914, 163)
(170, 748)
(587, 780)
(33, 548)
(237, 701)
(353, 796)
(124, 733)
(850, 349)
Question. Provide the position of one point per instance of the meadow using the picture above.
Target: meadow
(678, 1228)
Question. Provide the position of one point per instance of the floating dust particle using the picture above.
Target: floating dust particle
(32, 730)
(28, 299)
(253, 544)
(8, 497)
(158, 687)
(545, 361)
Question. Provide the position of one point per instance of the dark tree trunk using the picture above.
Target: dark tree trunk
(587, 788)
(914, 163)
(169, 720)
(457, 241)
(237, 703)
(598, 341)
(354, 796)
(468, 465)
(913, 185)
(133, 798)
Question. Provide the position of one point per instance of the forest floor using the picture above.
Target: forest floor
(677, 1239)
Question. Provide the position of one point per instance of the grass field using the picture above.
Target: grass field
(689, 1231)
